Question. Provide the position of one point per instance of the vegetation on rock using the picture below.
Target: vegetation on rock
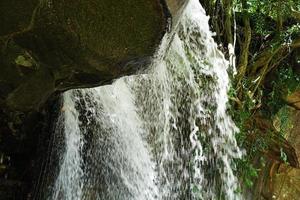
(267, 35)
(51, 46)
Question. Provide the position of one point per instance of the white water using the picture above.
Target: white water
(163, 135)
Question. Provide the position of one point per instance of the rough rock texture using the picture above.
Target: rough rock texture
(293, 136)
(280, 179)
(293, 99)
(287, 184)
(53, 45)
(49, 46)
(287, 179)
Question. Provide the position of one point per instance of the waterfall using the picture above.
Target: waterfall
(160, 135)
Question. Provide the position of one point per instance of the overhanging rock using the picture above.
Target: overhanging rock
(53, 45)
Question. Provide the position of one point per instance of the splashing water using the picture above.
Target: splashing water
(162, 135)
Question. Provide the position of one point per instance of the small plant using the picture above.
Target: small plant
(283, 156)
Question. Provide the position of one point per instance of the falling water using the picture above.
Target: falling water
(162, 135)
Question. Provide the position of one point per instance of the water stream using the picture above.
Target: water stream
(162, 135)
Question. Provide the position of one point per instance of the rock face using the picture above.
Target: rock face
(53, 45)
(286, 180)
(287, 184)
(280, 179)
(294, 99)
(49, 46)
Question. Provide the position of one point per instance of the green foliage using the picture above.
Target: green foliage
(283, 156)
(285, 83)
(291, 33)
(247, 172)
(271, 8)
(273, 29)
(284, 123)
(288, 79)
(263, 27)
(244, 167)
(272, 19)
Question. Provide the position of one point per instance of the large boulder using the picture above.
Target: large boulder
(52, 45)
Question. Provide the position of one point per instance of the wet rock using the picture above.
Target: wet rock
(48, 46)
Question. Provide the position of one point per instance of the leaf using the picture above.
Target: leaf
(22, 61)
